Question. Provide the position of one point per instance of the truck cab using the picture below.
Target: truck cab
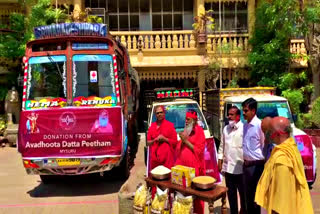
(273, 106)
(176, 103)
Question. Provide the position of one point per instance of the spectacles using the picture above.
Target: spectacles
(160, 112)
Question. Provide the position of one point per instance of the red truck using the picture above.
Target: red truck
(80, 102)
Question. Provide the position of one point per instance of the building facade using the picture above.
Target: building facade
(162, 45)
(161, 42)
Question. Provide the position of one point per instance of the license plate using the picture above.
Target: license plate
(68, 161)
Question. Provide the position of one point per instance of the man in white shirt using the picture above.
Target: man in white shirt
(231, 159)
(253, 158)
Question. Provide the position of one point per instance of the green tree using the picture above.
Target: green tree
(277, 22)
(311, 21)
(13, 43)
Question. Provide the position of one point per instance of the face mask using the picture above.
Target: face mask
(268, 139)
(103, 121)
(232, 123)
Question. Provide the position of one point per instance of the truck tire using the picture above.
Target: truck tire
(124, 167)
(120, 172)
(47, 179)
(312, 182)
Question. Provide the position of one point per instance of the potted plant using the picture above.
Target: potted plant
(202, 22)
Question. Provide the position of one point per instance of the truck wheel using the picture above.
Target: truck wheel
(312, 182)
(47, 179)
(124, 168)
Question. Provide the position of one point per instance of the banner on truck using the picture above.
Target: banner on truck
(70, 132)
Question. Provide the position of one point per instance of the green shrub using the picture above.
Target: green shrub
(315, 111)
(3, 124)
(295, 98)
(304, 121)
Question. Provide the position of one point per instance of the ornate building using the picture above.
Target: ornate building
(162, 45)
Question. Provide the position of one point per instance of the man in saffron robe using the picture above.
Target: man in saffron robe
(162, 139)
(190, 150)
(268, 144)
(283, 187)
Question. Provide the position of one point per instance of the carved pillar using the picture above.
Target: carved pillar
(251, 16)
(28, 8)
(78, 7)
(201, 80)
(199, 7)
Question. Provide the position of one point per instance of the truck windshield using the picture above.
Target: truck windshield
(176, 113)
(47, 77)
(271, 109)
(93, 76)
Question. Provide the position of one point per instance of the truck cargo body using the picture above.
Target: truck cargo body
(78, 112)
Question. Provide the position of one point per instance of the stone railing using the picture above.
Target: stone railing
(186, 40)
(176, 40)
(298, 48)
(231, 43)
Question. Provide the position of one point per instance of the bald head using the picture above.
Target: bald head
(281, 124)
(281, 129)
(266, 124)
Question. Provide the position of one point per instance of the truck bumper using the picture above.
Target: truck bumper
(70, 166)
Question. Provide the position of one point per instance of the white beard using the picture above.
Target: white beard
(188, 128)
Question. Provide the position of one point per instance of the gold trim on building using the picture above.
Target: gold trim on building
(216, 1)
(167, 61)
(8, 11)
(168, 75)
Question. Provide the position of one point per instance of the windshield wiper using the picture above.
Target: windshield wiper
(53, 62)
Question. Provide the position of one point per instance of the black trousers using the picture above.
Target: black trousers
(234, 182)
(251, 176)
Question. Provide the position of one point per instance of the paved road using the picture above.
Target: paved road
(24, 194)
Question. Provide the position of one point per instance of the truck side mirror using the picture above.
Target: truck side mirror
(294, 117)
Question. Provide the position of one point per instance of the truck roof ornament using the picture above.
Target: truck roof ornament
(168, 94)
(70, 29)
(175, 93)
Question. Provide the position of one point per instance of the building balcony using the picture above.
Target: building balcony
(298, 49)
(160, 48)
(180, 48)
(227, 44)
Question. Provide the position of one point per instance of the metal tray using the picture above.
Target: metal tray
(161, 177)
(204, 186)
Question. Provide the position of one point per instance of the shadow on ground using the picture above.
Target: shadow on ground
(83, 185)
(78, 186)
